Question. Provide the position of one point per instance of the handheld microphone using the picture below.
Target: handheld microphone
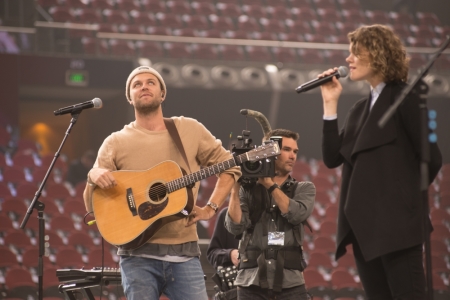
(94, 103)
(340, 72)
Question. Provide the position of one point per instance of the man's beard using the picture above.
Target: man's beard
(146, 109)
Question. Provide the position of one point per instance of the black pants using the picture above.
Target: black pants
(254, 292)
(398, 275)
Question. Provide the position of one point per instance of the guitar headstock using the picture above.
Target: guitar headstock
(269, 149)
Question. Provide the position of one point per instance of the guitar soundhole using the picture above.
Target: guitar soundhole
(157, 192)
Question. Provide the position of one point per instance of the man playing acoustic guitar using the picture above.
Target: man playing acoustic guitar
(163, 258)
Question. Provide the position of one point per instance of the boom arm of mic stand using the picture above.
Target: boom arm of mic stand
(40, 207)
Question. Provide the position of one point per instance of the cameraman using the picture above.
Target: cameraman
(270, 216)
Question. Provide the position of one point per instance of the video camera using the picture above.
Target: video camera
(252, 170)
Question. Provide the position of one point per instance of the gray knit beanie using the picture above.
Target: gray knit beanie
(140, 70)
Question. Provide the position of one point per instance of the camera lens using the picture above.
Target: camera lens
(252, 167)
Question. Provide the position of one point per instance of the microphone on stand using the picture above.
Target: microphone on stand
(94, 103)
(340, 72)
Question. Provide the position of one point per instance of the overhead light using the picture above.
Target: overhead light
(254, 77)
(224, 76)
(271, 68)
(195, 74)
(144, 62)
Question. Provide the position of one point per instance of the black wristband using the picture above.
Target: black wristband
(274, 186)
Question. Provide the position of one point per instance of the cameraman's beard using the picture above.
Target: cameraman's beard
(147, 109)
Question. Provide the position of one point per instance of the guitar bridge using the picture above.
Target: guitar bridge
(131, 202)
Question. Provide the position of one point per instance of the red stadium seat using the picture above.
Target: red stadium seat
(177, 50)
(143, 18)
(13, 174)
(81, 241)
(204, 51)
(69, 258)
(115, 16)
(317, 285)
(248, 24)
(428, 19)
(62, 223)
(103, 4)
(30, 258)
(57, 191)
(341, 278)
(377, 17)
(324, 244)
(310, 56)
(255, 10)
(328, 229)
(14, 207)
(128, 5)
(54, 240)
(17, 239)
(149, 49)
(273, 25)
(320, 261)
(284, 55)
(349, 4)
(27, 190)
(203, 8)
(132, 29)
(304, 14)
(178, 7)
(62, 14)
(355, 16)
(401, 18)
(232, 52)
(74, 206)
(197, 22)
(279, 12)
(324, 4)
(329, 15)
(51, 283)
(222, 23)
(24, 160)
(258, 54)
(229, 10)
(98, 257)
(18, 277)
(91, 16)
(169, 20)
(122, 48)
(8, 258)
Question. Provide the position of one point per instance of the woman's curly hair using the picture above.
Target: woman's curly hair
(387, 55)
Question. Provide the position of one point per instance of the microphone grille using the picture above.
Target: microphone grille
(343, 71)
(97, 102)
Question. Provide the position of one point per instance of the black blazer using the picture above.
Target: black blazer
(380, 199)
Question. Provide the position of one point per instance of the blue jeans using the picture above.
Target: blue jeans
(146, 278)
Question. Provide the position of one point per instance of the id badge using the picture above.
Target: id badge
(276, 238)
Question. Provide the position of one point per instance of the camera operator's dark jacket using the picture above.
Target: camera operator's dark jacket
(260, 258)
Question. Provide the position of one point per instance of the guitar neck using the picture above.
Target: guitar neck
(205, 172)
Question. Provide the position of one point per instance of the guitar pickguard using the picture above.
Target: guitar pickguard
(148, 210)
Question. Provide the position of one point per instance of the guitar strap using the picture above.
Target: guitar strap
(172, 129)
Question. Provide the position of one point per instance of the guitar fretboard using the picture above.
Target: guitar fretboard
(205, 172)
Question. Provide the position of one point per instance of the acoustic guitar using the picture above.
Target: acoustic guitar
(130, 213)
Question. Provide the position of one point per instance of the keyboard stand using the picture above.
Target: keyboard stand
(70, 289)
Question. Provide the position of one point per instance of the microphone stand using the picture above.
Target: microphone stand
(422, 89)
(41, 206)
